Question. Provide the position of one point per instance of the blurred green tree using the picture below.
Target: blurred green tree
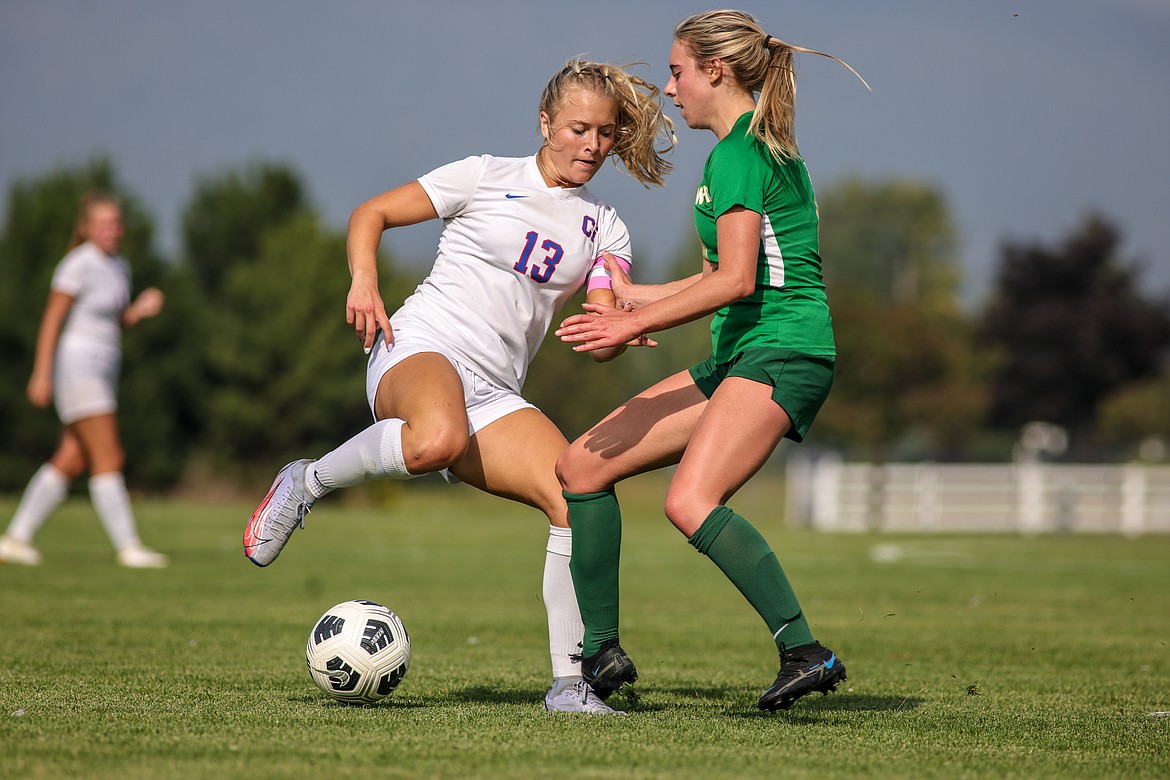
(908, 366)
(229, 213)
(1137, 412)
(905, 372)
(276, 372)
(289, 372)
(892, 240)
(1071, 326)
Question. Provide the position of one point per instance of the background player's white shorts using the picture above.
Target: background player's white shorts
(485, 401)
(85, 380)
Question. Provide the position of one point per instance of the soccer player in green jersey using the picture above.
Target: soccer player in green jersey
(771, 364)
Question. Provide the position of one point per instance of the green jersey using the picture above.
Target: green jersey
(789, 308)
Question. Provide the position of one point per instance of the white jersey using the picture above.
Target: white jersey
(512, 252)
(89, 350)
(100, 288)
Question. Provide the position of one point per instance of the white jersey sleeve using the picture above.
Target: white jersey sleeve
(452, 186)
(613, 237)
(70, 275)
(513, 251)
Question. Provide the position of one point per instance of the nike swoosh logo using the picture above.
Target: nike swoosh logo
(831, 662)
(510, 196)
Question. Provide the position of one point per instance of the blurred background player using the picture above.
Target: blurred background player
(444, 380)
(78, 356)
(771, 364)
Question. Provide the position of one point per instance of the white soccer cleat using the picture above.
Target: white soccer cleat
(138, 557)
(15, 551)
(279, 514)
(578, 697)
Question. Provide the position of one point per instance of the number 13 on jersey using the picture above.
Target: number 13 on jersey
(546, 266)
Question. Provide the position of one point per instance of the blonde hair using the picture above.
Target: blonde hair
(641, 125)
(85, 206)
(758, 62)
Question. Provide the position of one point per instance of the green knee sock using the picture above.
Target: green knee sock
(741, 553)
(596, 520)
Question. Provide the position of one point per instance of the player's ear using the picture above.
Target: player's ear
(544, 126)
(715, 70)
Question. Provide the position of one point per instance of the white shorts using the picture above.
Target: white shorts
(485, 401)
(85, 380)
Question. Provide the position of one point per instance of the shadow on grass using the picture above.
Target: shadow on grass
(646, 699)
(391, 702)
(661, 698)
(629, 699)
(482, 694)
(809, 709)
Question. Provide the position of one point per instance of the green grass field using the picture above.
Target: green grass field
(972, 656)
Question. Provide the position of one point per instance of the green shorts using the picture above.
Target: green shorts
(800, 382)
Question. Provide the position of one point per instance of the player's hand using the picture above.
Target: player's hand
(624, 290)
(366, 312)
(40, 390)
(642, 341)
(603, 326)
(149, 303)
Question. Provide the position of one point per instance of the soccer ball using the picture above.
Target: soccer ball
(358, 652)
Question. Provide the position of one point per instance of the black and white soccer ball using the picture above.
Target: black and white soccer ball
(358, 652)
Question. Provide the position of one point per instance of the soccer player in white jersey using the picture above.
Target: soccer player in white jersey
(78, 354)
(521, 236)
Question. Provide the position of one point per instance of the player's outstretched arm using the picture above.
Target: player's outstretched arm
(632, 296)
(599, 328)
(364, 309)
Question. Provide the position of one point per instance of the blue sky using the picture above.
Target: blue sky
(1025, 114)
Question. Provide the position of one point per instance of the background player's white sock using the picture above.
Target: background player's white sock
(560, 601)
(375, 452)
(45, 491)
(112, 502)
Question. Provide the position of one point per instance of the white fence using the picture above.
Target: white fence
(829, 495)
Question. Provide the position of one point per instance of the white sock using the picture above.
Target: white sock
(375, 452)
(565, 629)
(45, 491)
(112, 502)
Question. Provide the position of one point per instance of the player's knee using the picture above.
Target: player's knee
(574, 474)
(562, 471)
(435, 449)
(113, 460)
(685, 510)
(552, 503)
(71, 464)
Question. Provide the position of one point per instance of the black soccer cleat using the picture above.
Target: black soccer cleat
(803, 670)
(608, 669)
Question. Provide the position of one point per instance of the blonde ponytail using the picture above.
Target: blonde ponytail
(758, 62)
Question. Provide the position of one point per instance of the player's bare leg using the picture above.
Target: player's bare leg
(647, 432)
(46, 490)
(722, 456)
(723, 453)
(98, 436)
(421, 427)
(514, 458)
